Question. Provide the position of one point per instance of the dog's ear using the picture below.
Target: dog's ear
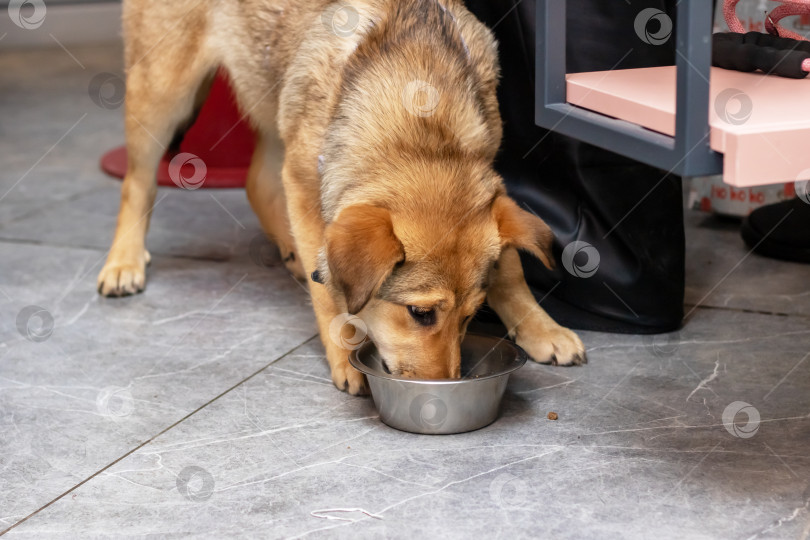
(523, 230)
(361, 252)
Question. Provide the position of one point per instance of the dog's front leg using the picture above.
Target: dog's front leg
(530, 326)
(303, 206)
(336, 330)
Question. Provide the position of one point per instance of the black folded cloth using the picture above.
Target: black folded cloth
(756, 51)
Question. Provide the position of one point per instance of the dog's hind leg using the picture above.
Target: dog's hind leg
(265, 192)
(160, 95)
(543, 339)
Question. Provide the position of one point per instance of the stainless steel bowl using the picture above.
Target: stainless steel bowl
(443, 406)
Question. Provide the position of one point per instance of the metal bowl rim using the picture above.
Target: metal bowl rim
(520, 361)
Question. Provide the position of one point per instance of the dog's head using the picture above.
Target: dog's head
(416, 279)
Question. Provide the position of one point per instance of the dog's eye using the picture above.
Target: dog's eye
(424, 316)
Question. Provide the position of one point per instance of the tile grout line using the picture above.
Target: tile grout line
(748, 310)
(29, 242)
(88, 247)
(48, 205)
(152, 438)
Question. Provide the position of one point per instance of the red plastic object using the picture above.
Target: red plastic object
(220, 137)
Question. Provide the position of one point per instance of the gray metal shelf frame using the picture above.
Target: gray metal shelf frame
(688, 152)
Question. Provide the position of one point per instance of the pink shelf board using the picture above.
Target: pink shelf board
(760, 123)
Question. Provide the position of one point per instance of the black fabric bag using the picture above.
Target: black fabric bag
(631, 214)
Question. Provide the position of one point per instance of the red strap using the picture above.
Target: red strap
(788, 8)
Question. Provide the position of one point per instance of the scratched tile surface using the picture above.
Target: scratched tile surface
(204, 406)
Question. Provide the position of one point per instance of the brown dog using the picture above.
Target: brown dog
(387, 113)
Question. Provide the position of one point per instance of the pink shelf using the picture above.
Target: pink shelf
(764, 134)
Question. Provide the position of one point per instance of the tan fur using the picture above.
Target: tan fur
(266, 195)
(388, 116)
(523, 230)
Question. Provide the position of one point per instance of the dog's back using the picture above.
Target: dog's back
(270, 47)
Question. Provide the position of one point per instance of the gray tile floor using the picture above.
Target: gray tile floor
(204, 406)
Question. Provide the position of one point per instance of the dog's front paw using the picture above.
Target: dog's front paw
(554, 345)
(121, 278)
(349, 379)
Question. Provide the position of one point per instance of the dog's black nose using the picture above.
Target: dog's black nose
(316, 277)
